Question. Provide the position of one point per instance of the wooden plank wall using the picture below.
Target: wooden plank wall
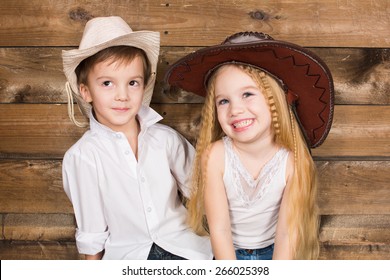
(352, 37)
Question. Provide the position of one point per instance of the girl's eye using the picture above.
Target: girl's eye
(247, 94)
(107, 83)
(222, 102)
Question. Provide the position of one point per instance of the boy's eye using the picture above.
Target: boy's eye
(106, 83)
(133, 83)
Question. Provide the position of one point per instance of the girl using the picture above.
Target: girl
(254, 179)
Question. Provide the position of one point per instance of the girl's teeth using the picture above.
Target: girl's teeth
(242, 124)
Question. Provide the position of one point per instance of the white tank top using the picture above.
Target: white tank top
(254, 204)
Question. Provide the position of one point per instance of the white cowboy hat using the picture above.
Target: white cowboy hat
(101, 33)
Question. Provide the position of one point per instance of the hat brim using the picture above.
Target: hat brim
(148, 41)
(300, 71)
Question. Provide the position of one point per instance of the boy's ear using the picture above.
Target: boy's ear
(85, 94)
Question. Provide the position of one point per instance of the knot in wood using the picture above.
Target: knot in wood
(259, 15)
(80, 14)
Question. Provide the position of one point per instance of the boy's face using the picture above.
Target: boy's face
(116, 90)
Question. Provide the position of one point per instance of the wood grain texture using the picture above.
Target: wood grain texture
(39, 227)
(22, 250)
(36, 130)
(354, 187)
(68, 251)
(316, 23)
(32, 187)
(34, 75)
(355, 230)
(354, 252)
(358, 131)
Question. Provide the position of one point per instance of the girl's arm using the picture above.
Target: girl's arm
(282, 249)
(216, 204)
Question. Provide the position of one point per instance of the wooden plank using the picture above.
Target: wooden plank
(68, 251)
(345, 187)
(39, 227)
(194, 23)
(355, 237)
(358, 131)
(354, 187)
(32, 187)
(31, 75)
(11, 250)
(358, 252)
(34, 75)
(355, 230)
(44, 130)
(1, 227)
(36, 130)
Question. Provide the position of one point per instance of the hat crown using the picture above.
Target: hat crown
(103, 29)
(246, 37)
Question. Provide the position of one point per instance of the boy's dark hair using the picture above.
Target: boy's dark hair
(122, 54)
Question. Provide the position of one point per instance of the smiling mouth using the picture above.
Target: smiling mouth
(120, 109)
(242, 124)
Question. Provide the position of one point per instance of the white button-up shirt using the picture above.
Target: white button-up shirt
(123, 205)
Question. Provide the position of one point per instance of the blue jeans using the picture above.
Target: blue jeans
(158, 253)
(255, 254)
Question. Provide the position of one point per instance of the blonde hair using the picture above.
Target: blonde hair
(303, 219)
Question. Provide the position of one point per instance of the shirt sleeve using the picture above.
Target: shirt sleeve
(181, 159)
(81, 184)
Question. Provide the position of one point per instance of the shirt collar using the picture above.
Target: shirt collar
(146, 117)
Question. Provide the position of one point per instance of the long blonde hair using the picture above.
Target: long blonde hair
(303, 215)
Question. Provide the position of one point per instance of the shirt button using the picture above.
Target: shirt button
(149, 209)
(127, 152)
(118, 136)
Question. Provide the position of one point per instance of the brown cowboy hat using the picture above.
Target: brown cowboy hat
(305, 78)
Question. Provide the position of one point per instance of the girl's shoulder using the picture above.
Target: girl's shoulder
(213, 156)
(217, 149)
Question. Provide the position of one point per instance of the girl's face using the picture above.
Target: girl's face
(116, 91)
(242, 110)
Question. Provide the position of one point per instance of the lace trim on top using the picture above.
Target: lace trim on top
(251, 190)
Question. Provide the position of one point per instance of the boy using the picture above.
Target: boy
(123, 175)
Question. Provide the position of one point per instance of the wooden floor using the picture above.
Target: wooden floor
(352, 37)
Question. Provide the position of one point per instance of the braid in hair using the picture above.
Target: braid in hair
(292, 118)
(271, 102)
